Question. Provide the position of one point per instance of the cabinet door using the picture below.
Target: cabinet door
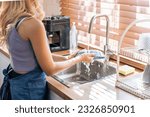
(54, 96)
(4, 61)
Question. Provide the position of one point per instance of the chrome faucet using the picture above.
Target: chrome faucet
(106, 49)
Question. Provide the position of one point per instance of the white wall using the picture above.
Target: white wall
(51, 7)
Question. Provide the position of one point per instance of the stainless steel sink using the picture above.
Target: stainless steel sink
(82, 73)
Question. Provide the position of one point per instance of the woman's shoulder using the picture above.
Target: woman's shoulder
(31, 26)
(32, 23)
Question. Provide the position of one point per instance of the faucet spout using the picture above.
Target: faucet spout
(107, 29)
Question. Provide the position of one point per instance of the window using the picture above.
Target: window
(120, 12)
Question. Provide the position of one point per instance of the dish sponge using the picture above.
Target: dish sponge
(125, 70)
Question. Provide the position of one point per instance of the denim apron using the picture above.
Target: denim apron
(29, 86)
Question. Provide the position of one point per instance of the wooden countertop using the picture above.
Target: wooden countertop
(90, 91)
(95, 90)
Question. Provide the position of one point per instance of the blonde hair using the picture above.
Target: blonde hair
(10, 11)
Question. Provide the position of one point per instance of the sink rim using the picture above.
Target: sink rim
(71, 74)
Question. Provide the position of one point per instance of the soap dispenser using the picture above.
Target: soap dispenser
(73, 38)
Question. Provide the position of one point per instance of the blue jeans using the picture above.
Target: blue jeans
(29, 86)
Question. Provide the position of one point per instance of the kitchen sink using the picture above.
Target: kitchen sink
(82, 73)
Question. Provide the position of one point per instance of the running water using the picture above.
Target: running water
(88, 51)
(104, 65)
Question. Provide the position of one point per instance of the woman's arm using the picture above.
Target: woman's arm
(34, 30)
(57, 57)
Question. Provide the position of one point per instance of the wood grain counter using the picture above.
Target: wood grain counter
(89, 91)
(95, 90)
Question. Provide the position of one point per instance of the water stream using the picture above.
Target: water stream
(88, 48)
(87, 65)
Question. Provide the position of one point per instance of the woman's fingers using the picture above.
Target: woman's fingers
(91, 55)
(73, 55)
(87, 57)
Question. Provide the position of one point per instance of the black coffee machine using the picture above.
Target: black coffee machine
(57, 28)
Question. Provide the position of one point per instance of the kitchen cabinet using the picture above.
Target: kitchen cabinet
(4, 61)
(54, 96)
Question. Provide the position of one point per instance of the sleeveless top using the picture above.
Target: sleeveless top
(21, 52)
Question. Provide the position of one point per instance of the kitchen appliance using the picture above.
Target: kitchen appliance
(144, 46)
(58, 31)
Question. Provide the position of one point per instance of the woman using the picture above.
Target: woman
(21, 28)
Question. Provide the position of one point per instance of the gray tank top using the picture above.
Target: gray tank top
(21, 52)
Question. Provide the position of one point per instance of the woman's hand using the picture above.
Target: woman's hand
(73, 55)
(87, 57)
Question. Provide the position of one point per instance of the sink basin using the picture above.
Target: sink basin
(83, 73)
